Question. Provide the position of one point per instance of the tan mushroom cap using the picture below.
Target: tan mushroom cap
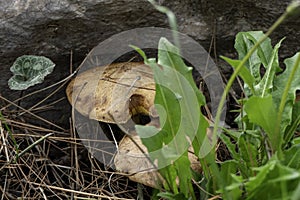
(130, 160)
(113, 93)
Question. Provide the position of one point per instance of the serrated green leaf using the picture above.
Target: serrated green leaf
(295, 123)
(275, 177)
(243, 43)
(264, 86)
(264, 50)
(231, 147)
(258, 180)
(279, 87)
(261, 111)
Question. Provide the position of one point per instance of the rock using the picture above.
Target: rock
(54, 28)
(57, 27)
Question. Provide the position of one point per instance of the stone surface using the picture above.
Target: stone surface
(54, 28)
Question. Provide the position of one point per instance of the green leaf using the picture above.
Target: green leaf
(140, 51)
(296, 141)
(295, 122)
(170, 175)
(227, 168)
(170, 196)
(259, 179)
(178, 102)
(264, 86)
(296, 194)
(182, 116)
(244, 42)
(29, 70)
(230, 146)
(233, 183)
(248, 149)
(292, 157)
(169, 55)
(244, 150)
(275, 177)
(279, 87)
(264, 49)
(261, 111)
(186, 177)
(244, 73)
(264, 54)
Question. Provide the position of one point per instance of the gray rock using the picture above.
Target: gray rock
(54, 28)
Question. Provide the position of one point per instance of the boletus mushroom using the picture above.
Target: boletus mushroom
(114, 94)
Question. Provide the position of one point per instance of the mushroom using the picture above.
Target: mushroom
(114, 94)
(137, 166)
